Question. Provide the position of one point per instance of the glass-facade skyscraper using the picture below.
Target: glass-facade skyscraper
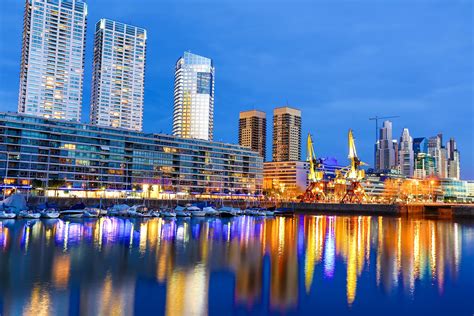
(118, 76)
(193, 115)
(52, 60)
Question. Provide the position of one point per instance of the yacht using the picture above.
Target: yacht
(72, 213)
(195, 211)
(181, 211)
(49, 213)
(90, 212)
(7, 215)
(210, 211)
(29, 215)
(227, 211)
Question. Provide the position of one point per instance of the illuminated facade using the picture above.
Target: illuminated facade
(193, 115)
(118, 75)
(286, 176)
(52, 59)
(253, 131)
(90, 158)
(286, 134)
(406, 157)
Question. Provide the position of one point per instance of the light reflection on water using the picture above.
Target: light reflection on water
(220, 266)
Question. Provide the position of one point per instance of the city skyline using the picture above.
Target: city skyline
(231, 97)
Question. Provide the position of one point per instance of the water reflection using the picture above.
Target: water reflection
(99, 267)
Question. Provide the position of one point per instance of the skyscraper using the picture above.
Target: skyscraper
(193, 115)
(454, 169)
(286, 134)
(438, 152)
(253, 131)
(386, 149)
(52, 59)
(118, 76)
(405, 154)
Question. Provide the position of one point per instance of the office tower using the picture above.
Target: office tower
(454, 170)
(420, 145)
(286, 134)
(118, 75)
(386, 149)
(52, 59)
(425, 166)
(253, 131)
(405, 154)
(436, 150)
(193, 115)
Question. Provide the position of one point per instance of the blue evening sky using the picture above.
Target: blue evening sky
(340, 62)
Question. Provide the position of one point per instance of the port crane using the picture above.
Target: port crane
(315, 190)
(353, 173)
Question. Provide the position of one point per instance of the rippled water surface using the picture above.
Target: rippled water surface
(313, 265)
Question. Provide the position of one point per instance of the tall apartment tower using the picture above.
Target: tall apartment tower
(286, 134)
(406, 155)
(253, 131)
(118, 75)
(52, 59)
(386, 149)
(454, 169)
(193, 115)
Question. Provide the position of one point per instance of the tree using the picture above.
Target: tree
(56, 184)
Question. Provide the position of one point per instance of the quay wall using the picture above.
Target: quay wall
(441, 210)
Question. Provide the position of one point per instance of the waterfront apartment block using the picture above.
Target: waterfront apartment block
(193, 115)
(286, 134)
(253, 131)
(118, 76)
(287, 177)
(80, 158)
(52, 59)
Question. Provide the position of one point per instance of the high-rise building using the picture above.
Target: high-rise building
(286, 134)
(193, 115)
(386, 157)
(118, 75)
(52, 59)
(454, 170)
(438, 152)
(405, 154)
(425, 166)
(253, 131)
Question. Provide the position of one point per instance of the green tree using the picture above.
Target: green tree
(55, 184)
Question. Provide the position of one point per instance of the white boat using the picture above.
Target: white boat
(167, 213)
(29, 215)
(181, 211)
(195, 211)
(182, 214)
(227, 211)
(72, 213)
(198, 213)
(7, 215)
(50, 213)
(90, 212)
(268, 213)
(210, 211)
(118, 210)
(139, 211)
(156, 213)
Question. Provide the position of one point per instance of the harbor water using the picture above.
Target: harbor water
(311, 265)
